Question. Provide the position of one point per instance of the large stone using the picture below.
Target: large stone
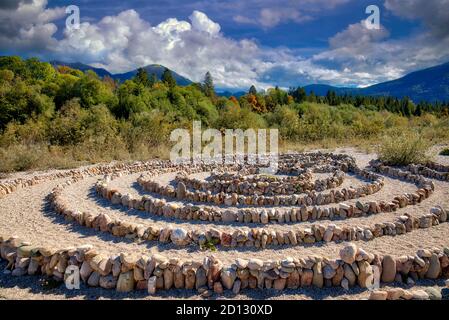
(306, 278)
(179, 236)
(94, 279)
(108, 282)
(255, 264)
(388, 269)
(125, 282)
(434, 267)
(366, 275)
(434, 293)
(329, 272)
(350, 275)
(348, 253)
(85, 271)
(318, 279)
(181, 190)
(229, 216)
(168, 278)
(201, 278)
(378, 295)
(279, 284)
(294, 280)
(152, 285)
(420, 295)
(228, 276)
(236, 287)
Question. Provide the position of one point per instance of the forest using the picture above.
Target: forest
(59, 117)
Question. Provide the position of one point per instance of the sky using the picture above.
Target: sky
(241, 43)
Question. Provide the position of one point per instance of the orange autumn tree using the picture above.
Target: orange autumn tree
(256, 103)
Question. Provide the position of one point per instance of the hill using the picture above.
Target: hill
(153, 68)
(431, 84)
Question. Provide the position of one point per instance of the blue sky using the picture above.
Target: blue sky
(266, 43)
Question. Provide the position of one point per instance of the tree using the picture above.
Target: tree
(153, 79)
(167, 77)
(252, 90)
(298, 94)
(142, 77)
(208, 86)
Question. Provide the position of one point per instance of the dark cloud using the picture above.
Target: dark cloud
(434, 13)
(12, 4)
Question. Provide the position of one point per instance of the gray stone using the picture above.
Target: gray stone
(388, 269)
(348, 253)
(434, 267)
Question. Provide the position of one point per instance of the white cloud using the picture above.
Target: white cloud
(122, 42)
(201, 22)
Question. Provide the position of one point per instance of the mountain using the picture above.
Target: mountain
(158, 70)
(431, 84)
(228, 94)
(83, 67)
(153, 68)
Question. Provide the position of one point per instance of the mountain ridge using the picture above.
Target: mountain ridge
(430, 84)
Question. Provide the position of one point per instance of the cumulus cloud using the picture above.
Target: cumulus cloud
(125, 41)
(28, 24)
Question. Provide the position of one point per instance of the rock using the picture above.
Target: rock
(388, 269)
(420, 295)
(181, 190)
(125, 282)
(168, 279)
(218, 288)
(318, 279)
(345, 284)
(255, 264)
(228, 216)
(434, 293)
(366, 275)
(264, 217)
(395, 294)
(152, 285)
(378, 295)
(294, 280)
(348, 253)
(18, 272)
(434, 267)
(108, 282)
(329, 272)
(179, 236)
(241, 263)
(85, 271)
(228, 276)
(306, 278)
(94, 279)
(328, 234)
(201, 278)
(236, 287)
(279, 284)
(350, 275)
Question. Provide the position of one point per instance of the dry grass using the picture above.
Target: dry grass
(404, 148)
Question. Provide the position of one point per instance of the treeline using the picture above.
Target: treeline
(61, 116)
(404, 106)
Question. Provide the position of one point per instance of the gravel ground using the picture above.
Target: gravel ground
(25, 213)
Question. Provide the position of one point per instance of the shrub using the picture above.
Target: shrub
(444, 152)
(403, 148)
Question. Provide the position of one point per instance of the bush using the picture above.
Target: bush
(403, 148)
(444, 152)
